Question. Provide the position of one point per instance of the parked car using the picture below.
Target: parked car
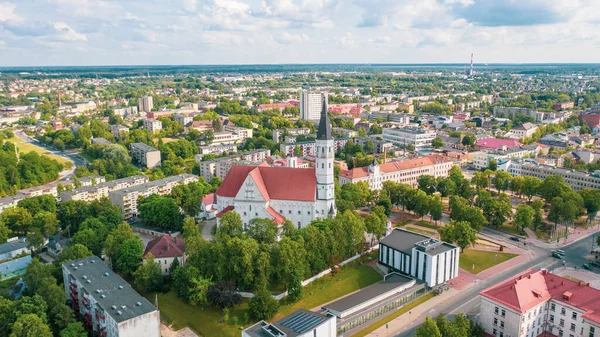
(587, 266)
(515, 238)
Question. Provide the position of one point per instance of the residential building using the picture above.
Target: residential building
(152, 125)
(403, 119)
(511, 112)
(208, 207)
(203, 125)
(225, 137)
(578, 180)
(10, 201)
(145, 155)
(100, 190)
(146, 104)
(310, 105)
(166, 249)
(308, 148)
(345, 133)
(422, 257)
(277, 133)
(496, 143)
(183, 119)
(406, 171)
(119, 131)
(563, 106)
(300, 323)
(404, 136)
(13, 247)
(481, 159)
(379, 145)
(242, 133)
(215, 149)
(219, 167)
(535, 302)
(127, 198)
(524, 130)
(268, 192)
(125, 112)
(107, 305)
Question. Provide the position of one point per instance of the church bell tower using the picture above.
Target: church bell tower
(325, 153)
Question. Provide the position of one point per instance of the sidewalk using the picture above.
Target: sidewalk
(578, 234)
(401, 322)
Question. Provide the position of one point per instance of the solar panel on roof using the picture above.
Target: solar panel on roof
(301, 322)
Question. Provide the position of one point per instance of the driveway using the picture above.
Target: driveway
(207, 227)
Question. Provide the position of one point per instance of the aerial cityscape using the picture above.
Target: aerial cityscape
(299, 168)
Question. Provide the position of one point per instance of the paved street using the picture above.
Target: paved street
(467, 301)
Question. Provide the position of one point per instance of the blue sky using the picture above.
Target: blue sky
(116, 32)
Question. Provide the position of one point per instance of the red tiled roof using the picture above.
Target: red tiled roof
(429, 160)
(496, 143)
(279, 183)
(225, 210)
(166, 246)
(532, 288)
(209, 199)
(277, 218)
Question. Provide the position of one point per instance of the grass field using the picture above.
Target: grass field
(28, 147)
(481, 259)
(86, 156)
(421, 231)
(381, 322)
(180, 314)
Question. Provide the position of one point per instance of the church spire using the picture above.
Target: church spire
(324, 131)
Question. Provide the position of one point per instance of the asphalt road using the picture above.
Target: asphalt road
(468, 301)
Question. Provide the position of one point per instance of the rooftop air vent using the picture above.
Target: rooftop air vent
(119, 312)
(89, 281)
(114, 306)
(138, 303)
(84, 277)
(106, 274)
(103, 296)
(123, 307)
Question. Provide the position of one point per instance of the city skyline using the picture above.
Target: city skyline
(134, 32)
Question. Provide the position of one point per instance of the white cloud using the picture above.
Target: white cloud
(286, 37)
(88, 8)
(7, 12)
(348, 40)
(190, 5)
(66, 33)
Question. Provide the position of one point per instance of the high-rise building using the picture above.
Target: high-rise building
(146, 104)
(310, 105)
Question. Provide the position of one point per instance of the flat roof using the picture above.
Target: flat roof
(403, 240)
(98, 279)
(300, 321)
(143, 147)
(392, 282)
(160, 182)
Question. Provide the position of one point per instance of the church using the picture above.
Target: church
(283, 193)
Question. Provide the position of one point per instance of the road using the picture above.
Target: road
(71, 155)
(468, 301)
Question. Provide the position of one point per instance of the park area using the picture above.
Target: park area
(208, 321)
(25, 147)
(476, 261)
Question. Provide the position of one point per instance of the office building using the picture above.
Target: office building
(127, 198)
(145, 155)
(419, 256)
(534, 303)
(406, 171)
(107, 305)
(146, 104)
(310, 105)
(400, 118)
(404, 136)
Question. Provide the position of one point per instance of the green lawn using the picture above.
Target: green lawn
(176, 311)
(420, 231)
(380, 322)
(86, 156)
(28, 147)
(481, 259)
(427, 224)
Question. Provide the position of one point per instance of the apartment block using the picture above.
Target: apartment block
(278, 133)
(578, 180)
(146, 104)
(242, 133)
(388, 116)
(106, 304)
(311, 104)
(95, 192)
(220, 167)
(127, 198)
(225, 137)
(214, 149)
(119, 131)
(183, 119)
(308, 148)
(152, 125)
(125, 112)
(145, 155)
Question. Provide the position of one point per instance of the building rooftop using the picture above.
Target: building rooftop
(394, 166)
(532, 288)
(295, 324)
(142, 147)
(392, 282)
(111, 292)
(12, 246)
(166, 246)
(404, 241)
(154, 183)
(109, 184)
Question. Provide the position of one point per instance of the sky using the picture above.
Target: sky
(146, 32)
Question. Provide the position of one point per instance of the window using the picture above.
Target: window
(299, 212)
(592, 331)
(574, 316)
(244, 213)
(551, 318)
(502, 324)
(290, 211)
(562, 322)
(563, 311)
(572, 326)
(299, 225)
(495, 332)
(553, 307)
(503, 313)
(496, 310)
(322, 165)
(560, 332)
(501, 334)
(495, 321)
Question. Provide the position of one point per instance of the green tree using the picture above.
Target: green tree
(263, 306)
(230, 226)
(129, 254)
(436, 207)
(37, 204)
(469, 140)
(294, 289)
(493, 165)
(428, 329)
(147, 276)
(17, 219)
(553, 186)
(556, 208)
(516, 184)
(198, 290)
(502, 180)
(262, 230)
(437, 143)
(459, 232)
(524, 217)
(45, 222)
(74, 329)
(160, 211)
(538, 216)
(531, 185)
(481, 180)
(115, 239)
(30, 325)
(421, 201)
(223, 295)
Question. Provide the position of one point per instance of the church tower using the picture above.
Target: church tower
(325, 153)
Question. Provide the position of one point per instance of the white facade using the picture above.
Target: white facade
(310, 105)
(578, 180)
(525, 130)
(152, 125)
(418, 137)
(325, 180)
(118, 131)
(300, 323)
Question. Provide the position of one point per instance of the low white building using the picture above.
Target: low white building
(535, 302)
(166, 249)
(152, 125)
(524, 130)
(300, 323)
(419, 256)
(405, 136)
